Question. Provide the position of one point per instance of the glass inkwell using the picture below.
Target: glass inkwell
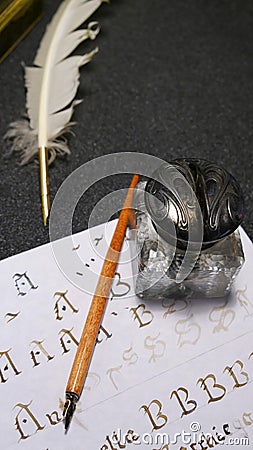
(186, 237)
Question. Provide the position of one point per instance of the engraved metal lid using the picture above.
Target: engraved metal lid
(184, 190)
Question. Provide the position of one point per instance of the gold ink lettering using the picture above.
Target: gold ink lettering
(144, 312)
(67, 333)
(185, 401)
(215, 385)
(63, 299)
(233, 375)
(106, 333)
(110, 374)
(210, 441)
(244, 301)
(54, 418)
(224, 317)
(193, 330)
(154, 419)
(156, 346)
(131, 437)
(175, 306)
(237, 424)
(23, 283)
(130, 356)
(92, 381)
(116, 439)
(7, 364)
(40, 350)
(35, 423)
(110, 443)
(122, 288)
(247, 419)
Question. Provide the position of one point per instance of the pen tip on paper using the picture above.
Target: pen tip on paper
(69, 409)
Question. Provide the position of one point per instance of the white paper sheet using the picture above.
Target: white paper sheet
(158, 368)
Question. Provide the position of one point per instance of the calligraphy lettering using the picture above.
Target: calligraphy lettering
(110, 373)
(66, 334)
(28, 420)
(247, 419)
(11, 316)
(8, 364)
(183, 402)
(54, 418)
(92, 381)
(97, 240)
(175, 306)
(238, 425)
(156, 346)
(117, 440)
(62, 298)
(158, 420)
(192, 331)
(244, 301)
(144, 314)
(106, 333)
(223, 317)
(40, 350)
(219, 387)
(130, 356)
(119, 288)
(233, 374)
(23, 283)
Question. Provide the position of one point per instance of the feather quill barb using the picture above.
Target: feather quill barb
(53, 81)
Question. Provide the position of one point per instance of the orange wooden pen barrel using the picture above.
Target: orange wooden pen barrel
(91, 328)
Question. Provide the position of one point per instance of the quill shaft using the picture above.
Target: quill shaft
(43, 128)
(44, 182)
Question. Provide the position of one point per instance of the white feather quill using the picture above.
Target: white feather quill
(52, 85)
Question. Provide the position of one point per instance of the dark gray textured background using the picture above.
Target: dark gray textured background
(172, 78)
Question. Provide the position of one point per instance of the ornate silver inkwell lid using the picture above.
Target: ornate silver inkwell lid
(185, 191)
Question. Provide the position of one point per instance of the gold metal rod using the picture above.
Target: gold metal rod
(44, 183)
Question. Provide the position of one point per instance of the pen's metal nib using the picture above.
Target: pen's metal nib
(69, 409)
